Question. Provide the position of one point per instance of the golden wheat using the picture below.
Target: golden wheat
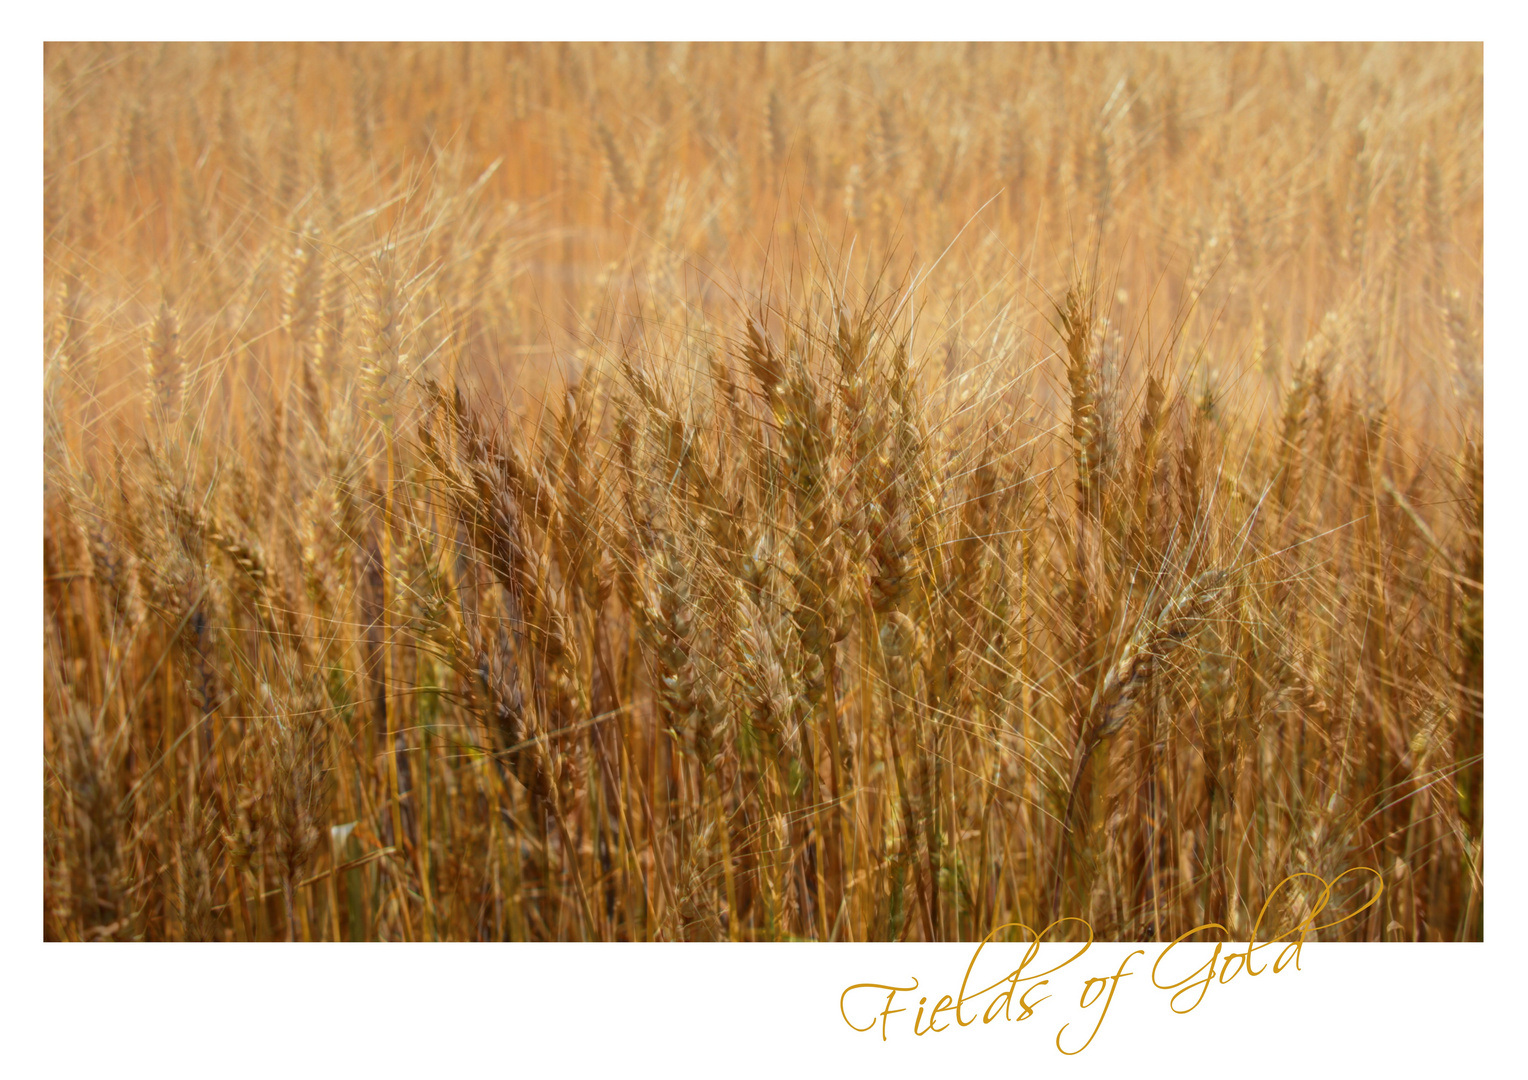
(753, 492)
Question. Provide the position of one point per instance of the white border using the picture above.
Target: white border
(759, 1009)
(694, 20)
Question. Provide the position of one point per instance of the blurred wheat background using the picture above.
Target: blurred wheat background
(758, 492)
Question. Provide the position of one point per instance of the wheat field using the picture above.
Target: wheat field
(760, 492)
